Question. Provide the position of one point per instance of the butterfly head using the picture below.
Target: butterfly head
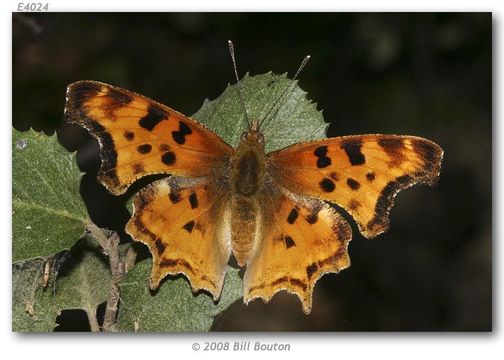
(253, 135)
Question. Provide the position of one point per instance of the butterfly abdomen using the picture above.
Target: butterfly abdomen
(245, 214)
(247, 181)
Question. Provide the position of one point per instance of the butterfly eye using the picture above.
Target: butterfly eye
(260, 138)
(243, 136)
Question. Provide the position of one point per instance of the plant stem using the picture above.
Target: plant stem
(130, 259)
(110, 245)
(93, 322)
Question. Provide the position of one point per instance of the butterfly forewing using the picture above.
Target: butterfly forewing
(139, 136)
(360, 173)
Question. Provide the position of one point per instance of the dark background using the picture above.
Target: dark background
(422, 74)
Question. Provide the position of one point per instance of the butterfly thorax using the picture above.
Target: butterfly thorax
(247, 181)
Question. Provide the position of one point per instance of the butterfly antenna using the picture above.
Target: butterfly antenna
(240, 88)
(290, 86)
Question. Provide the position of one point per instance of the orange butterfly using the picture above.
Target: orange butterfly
(269, 210)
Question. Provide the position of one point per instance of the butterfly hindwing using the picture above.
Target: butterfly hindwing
(362, 173)
(185, 225)
(139, 136)
(302, 240)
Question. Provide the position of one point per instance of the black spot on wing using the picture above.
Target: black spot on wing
(293, 215)
(154, 116)
(327, 185)
(189, 226)
(323, 162)
(322, 159)
(174, 196)
(144, 148)
(353, 151)
(321, 151)
(193, 200)
(312, 218)
(353, 184)
(129, 135)
(168, 158)
(289, 242)
(183, 131)
(370, 176)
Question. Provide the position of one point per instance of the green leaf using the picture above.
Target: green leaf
(33, 307)
(84, 285)
(294, 119)
(173, 307)
(48, 214)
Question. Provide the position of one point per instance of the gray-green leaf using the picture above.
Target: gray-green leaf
(294, 119)
(48, 214)
(33, 307)
(85, 285)
(82, 286)
(173, 307)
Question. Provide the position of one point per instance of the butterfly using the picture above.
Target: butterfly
(270, 211)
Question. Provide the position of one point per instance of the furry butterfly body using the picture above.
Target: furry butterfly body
(270, 210)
